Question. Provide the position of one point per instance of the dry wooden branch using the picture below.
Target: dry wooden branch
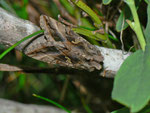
(52, 70)
(8, 106)
(13, 29)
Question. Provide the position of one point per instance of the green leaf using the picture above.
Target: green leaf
(25, 2)
(68, 6)
(120, 23)
(21, 81)
(6, 5)
(147, 36)
(132, 82)
(127, 110)
(19, 42)
(147, 1)
(90, 34)
(85, 22)
(125, 14)
(106, 1)
(90, 12)
(52, 102)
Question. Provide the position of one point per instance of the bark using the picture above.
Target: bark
(13, 29)
(7, 106)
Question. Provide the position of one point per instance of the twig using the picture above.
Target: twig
(52, 70)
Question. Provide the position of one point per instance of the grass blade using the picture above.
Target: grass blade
(19, 42)
(52, 102)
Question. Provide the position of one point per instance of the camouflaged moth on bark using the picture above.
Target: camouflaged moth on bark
(66, 48)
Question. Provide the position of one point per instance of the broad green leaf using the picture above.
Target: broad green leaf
(106, 1)
(147, 30)
(132, 82)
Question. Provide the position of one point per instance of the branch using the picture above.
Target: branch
(13, 29)
(52, 70)
(8, 106)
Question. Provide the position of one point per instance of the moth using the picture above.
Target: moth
(62, 46)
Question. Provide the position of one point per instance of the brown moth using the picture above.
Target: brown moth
(64, 47)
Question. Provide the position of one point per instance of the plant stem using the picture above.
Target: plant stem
(136, 25)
